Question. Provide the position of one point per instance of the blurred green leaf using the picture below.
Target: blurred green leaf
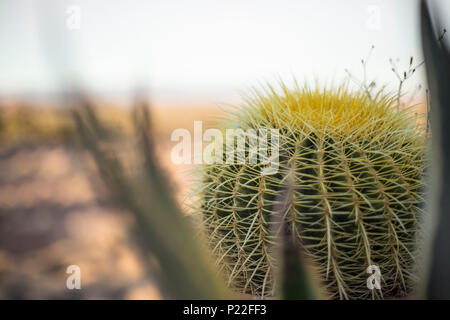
(295, 279)
(185, 271)
(436, 281)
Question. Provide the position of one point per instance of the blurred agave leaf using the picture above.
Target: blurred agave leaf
(295, 277)
(184, 268)
(436, 283)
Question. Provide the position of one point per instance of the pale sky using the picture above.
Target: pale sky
(207, 48)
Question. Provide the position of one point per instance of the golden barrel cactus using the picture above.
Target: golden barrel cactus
(357, 165)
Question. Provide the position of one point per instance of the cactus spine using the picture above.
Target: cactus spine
(357, 166)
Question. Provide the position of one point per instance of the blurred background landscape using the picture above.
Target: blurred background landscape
(191, 58)
(55, 210)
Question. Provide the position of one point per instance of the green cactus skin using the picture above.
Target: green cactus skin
(357, 166)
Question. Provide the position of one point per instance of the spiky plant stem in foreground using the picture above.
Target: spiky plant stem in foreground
(358, 167)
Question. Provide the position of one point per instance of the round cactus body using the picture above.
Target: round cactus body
(357, 168)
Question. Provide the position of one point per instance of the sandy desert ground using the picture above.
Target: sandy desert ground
(55, 212)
